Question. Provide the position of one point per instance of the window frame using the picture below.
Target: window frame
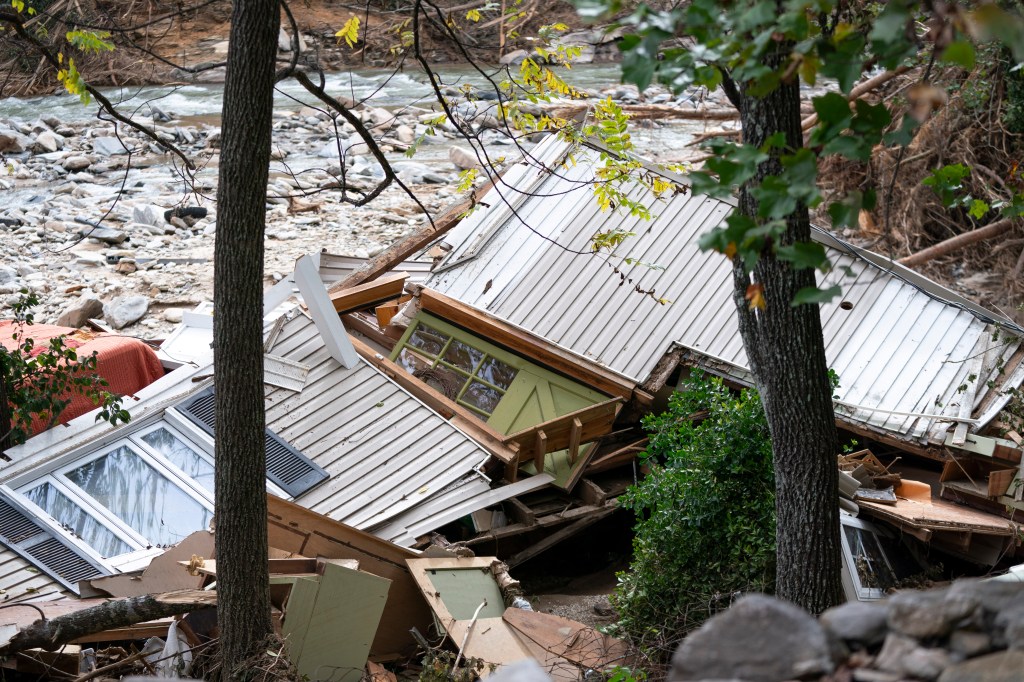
(863, 593)
(56, 476)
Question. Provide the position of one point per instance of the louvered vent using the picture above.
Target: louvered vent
(62, 561)
(286, 466)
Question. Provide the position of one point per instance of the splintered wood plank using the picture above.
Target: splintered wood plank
(540, 448)
(370, 294)
(575, 433)
(454, 588)
(575, 642)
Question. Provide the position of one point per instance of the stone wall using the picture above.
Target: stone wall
(970, 631)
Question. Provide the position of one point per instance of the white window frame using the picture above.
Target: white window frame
(863, 593)
(104, 516)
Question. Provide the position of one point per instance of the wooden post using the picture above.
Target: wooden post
(540, 449)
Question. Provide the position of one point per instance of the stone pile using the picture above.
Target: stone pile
(97, 215)
(970, 631)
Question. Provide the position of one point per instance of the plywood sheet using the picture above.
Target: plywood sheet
(489, 638)
(330, 623)
(164, 573)
(295, 529)
(939, 515)
(575, 642)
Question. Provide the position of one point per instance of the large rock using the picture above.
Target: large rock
(48, 141)
(80, 312)
(925, 615)
(103, 234)
(514, 58)
(108, 146)
(1005, 666)
(77, 162)
(125, 310)
(857, 623)
(148, 214)
(463, 159)
(760, 639)
(12, 142)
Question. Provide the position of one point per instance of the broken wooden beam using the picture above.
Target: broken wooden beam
(565, 432)
(369, 294)
(411, 244)
(557, 537)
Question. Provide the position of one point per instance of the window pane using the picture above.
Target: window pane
(411, 362)
(872, 568)
(446, 381)
(133, 491)
(181, 456)
(77, 520)
(497, 373)
(462, 356)
(428, 340)
(482, 397)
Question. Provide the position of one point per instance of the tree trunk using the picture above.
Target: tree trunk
(241, 506)
(787, 355)
(52, 634)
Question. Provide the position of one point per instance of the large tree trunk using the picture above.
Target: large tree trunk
(241, 505)
(787, 355)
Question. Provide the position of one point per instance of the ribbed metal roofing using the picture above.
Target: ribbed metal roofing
(386, 451)
(21, 581)
(906, 345)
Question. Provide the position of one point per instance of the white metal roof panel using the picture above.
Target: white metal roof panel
(21, 581)
(385, 451)
(901, 345)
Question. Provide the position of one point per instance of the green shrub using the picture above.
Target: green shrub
(706, 515)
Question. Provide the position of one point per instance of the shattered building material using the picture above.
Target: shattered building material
(533, 280)
(331, 620)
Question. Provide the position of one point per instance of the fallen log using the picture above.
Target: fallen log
(859, 91)
(960, 241)
(51, 634)
(661, 112)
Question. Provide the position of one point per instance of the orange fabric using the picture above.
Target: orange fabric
(127, 364)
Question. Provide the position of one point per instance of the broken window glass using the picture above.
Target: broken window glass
(411, 361)
(496, 372)
(428, 340)
(482, 397)
(136, 493)
(463, 356)
(75, 519)
(181, 456)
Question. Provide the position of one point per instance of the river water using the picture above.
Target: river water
(381, 87)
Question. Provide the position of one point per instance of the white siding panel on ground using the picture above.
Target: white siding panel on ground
(899, 343)
(385, 451)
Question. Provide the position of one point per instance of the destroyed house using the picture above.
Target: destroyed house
(519, 354)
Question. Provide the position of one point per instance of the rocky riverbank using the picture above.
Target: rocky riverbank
(92, 213)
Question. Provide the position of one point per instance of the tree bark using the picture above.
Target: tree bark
(240, 478)
(787, 355)
(52, 634)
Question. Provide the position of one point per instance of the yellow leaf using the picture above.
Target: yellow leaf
(473, 15)
(755, 296)
(730, 250)
(350, 31)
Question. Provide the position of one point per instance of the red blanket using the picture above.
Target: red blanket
(127, 364)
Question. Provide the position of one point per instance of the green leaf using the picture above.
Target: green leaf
(804, 256)
(815, 295)
(978, 209)
(959, 52)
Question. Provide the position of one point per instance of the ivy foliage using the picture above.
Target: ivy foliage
(706, 513)
(40, 382)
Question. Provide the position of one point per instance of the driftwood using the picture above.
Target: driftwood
(859, 91)
(54, 633)
(660, 112)
(960, 241)
(409, 245)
